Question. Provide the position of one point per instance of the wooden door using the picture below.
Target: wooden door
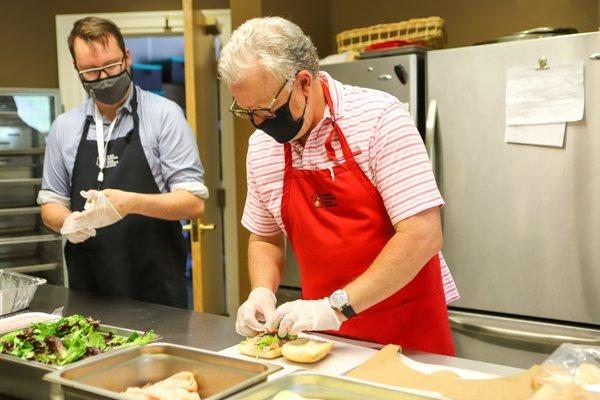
(202, 109)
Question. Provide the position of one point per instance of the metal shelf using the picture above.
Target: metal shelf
(30, 238)
(21, 182)
(28, 269)
(9, 212)
(30, 151)
(27, 263)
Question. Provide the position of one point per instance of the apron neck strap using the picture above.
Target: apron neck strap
(336, 129)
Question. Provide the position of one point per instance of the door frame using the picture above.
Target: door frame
(169, 22)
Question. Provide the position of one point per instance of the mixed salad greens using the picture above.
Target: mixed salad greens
(66, 340)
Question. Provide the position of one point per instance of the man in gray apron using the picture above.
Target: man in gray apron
(135, 151)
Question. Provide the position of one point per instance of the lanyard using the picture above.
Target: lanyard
(102, 147)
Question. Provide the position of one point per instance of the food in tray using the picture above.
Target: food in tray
(181, 386)
(269, 345)
(66, 340)
(289, 395)
(305, 350)
(558, 382)
(265, 345)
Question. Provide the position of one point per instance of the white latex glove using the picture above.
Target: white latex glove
(303, 315)
(98, 213)
(81, 236)
(260, 305)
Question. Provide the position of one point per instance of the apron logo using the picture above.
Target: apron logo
(321, 200)
(111, 161)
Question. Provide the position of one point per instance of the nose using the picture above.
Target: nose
(103, 74)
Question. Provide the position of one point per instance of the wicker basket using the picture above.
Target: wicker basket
(428, 30)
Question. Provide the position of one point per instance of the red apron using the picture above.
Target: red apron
(337, 224)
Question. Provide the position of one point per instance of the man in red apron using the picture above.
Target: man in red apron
(343, 173)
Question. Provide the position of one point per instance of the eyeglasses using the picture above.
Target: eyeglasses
(265, 113)
(111, 70)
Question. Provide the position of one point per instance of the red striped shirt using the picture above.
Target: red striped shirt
(387, 147)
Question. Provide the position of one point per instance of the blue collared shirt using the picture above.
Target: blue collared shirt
(166, 137)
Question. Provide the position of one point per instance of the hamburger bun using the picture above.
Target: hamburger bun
(265, 345)
(304, 350)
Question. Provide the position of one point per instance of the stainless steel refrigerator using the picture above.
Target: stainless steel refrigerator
(521, 222)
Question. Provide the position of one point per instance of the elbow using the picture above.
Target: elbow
(197, 210)
(431, 242)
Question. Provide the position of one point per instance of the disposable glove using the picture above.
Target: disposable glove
(303, 315)
(259, 307)
(81, 236)
(98, 213)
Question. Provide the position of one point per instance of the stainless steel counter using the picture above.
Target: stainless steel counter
(206, 331)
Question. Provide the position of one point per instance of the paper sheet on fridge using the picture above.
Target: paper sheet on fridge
(543, 135)
(544, 96)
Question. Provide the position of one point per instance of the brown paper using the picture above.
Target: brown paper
(386, 367)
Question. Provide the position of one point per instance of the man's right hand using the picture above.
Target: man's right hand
(81, 236)
(259, 307)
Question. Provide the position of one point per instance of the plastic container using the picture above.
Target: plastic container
(16, 291)
(148, 76)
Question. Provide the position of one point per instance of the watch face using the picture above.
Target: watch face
(338, 299)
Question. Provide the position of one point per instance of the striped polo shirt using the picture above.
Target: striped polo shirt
(387, 147)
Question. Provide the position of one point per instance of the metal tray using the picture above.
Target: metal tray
(16, 291)
(312, 385)
(24, 379)
(217, 376)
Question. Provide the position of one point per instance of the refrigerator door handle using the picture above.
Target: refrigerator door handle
(462, 324)
(430, 127)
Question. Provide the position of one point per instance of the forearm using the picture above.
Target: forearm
(266, 257)
(172, 206)
(398, 263)
(54, 215)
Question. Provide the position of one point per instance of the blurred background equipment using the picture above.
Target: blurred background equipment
(535, 33)
(26, 245)
(427, 32)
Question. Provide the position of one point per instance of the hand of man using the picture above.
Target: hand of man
(303, 315)
(80, 235)
(99, 213)
(121, 201)
(259, 306)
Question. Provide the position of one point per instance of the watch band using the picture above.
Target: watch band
(348, 311)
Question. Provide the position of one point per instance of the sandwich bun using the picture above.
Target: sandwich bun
(304, 350)
(265, 345)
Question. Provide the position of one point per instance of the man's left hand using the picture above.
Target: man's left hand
(303, 315)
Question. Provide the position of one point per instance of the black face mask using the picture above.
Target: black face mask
(282, 127)
(108, 90)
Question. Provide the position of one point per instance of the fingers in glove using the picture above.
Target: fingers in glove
(286, 323)
(89, 194)
(275, 318)
(250, 321)
(243, 330)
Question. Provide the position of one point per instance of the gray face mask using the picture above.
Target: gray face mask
(108, 90)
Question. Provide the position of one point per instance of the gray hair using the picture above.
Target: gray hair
(276, 44)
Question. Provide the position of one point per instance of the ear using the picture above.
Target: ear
(306, 81)
(127, 57)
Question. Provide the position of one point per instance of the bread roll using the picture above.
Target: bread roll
(306, 350)
(266, 345)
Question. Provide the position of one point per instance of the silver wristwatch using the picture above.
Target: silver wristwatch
(338, 300)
